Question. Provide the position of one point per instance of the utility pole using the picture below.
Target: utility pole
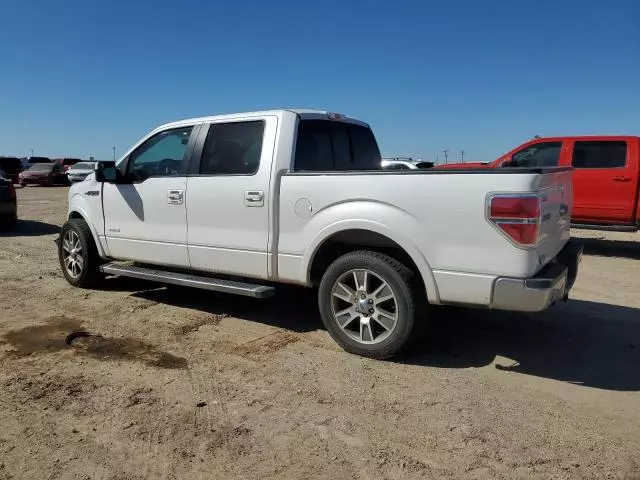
(114, 153)
(446, 156)
(32, 152)
(462, 156)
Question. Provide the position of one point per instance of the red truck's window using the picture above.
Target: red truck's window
(599, 154)
(324, 146)
(546, 154)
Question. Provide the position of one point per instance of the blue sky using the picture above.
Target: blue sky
(80, 77)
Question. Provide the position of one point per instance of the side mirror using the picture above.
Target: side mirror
(106, 172)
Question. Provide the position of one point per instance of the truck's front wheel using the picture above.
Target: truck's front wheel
(369, 303)
(78, 255)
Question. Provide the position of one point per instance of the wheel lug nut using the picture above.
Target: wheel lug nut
(363, 296)
(371, 310)
(370, 301)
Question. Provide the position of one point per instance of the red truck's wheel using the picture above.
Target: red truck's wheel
(369, 303)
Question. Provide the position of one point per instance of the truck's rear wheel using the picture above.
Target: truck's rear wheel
(78, 254)
(369, 303)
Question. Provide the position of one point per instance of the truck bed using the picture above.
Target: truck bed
(438, 215)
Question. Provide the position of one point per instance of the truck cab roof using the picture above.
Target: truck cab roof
(559, 138)
(302, 113)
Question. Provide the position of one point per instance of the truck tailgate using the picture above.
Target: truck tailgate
(555, 214)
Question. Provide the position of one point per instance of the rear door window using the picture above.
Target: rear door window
(599, 154)
(324, 145)
(233, 148)
(545, 154)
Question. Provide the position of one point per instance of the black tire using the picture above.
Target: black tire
(409, 297)
(90, 275)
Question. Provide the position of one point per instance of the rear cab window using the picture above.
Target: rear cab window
(327, 145)
(599, 154)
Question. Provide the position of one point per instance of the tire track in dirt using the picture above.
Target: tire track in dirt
(212, 421)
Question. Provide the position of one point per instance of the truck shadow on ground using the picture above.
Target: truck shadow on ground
(293, 308)
(611, 248)
(585, 343)
(30, 228)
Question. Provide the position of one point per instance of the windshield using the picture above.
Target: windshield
(69, 161)
(41, 167)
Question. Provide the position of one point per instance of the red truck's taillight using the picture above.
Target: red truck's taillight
(517, 216)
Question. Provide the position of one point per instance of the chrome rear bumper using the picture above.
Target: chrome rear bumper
(537, 293)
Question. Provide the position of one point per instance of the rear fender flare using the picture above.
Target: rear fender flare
(406, 244)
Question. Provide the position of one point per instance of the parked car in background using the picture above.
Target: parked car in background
(404, 163)
(43, 174)
(28, 161)
(80, 170)
(606, 178)
(10, 167)
(66, 163)
(8, 204)
(303, 200)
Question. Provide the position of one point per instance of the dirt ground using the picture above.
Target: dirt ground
(184, 384)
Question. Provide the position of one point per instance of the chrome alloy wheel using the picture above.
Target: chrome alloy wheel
(73, 258)
(364, 306)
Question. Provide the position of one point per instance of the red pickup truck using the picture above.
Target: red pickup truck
(606, 178)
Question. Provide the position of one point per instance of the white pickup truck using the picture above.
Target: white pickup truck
(239, 203)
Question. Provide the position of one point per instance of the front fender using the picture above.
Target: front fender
(90, 209)
(382, 219)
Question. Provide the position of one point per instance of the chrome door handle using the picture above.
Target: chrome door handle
(254, 198)
(175, 197)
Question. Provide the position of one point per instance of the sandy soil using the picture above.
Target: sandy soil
(183, 384)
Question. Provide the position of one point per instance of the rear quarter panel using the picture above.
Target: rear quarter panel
(439, 219)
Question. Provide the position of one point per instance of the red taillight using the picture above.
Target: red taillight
(518, 217)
